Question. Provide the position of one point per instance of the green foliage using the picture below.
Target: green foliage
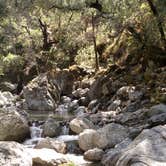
(3, 9)
(11, 62)
(69, 24)
(68, 164)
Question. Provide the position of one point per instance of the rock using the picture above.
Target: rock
(101, 117)
(65, 99)
(94, 154)
(9, 96)
(78, 125)
(49, 157)
(7, 86)
(80, 111)
(157, 109)
(51, 128)
(114, 105)
(85, 139)
(64, 79)
(73, 106)
(87, 82)
(110, 135)
(46, 157)
(50, 143)
(37, 94)
(3, 100)
(83, 101)
(105, 137)
(12, 154)
(13, 127)
(72, 143)
(116, 84)
(136, 118)
(92, 104)
(95, 109)
(100, 88)
(135, 95)
(129, 92)
(109, 158)
(6, 99)
(80, 92)
(147, 149)
(157, 119)
(132, 106)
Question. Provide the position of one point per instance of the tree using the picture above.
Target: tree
(159, 21)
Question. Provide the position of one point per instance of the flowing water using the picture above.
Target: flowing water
(61, 114)
(36, 135)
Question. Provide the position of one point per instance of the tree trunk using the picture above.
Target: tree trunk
(159, 22)
(94, 44)
(46, 43)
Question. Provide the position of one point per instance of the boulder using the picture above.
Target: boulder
(7, 86)
(64, 79)
(94, 154)
(157, 120)
(156, 110)
(65, 100)
(6, 98)
(83, 101)
(147, 149)
(49, 157)
(46, 157)
(72, 143)
(105, 137)
(111, 155)
(50, 143)
(73, 106)
(78, 125)
(134, 119)
(87, 82)
(13, 127)
(78, 93)
(92, 104)
(100, 88)
(51, 128)
(9, 96)
(129, 93)
(12, 154)
(80, 111)
(85, 139)
(38, 94)
(114, 105)
(110, 135)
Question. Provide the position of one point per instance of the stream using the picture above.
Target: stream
(36, 135)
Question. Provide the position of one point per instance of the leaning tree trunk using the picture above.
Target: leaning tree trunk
(94, 44)
(46, 43)
(159, 22)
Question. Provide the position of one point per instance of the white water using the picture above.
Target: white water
(65, 130)
(49, 154)
(67, 138)
(36, 136)
(36, 131)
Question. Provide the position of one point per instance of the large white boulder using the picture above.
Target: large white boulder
(14, 154)
(13, 127)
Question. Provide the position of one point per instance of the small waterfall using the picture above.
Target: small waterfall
(36, 131)
(65, 130)
(36, 135)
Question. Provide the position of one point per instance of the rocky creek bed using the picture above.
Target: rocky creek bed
(93, 122)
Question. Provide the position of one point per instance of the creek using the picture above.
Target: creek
(38, 118)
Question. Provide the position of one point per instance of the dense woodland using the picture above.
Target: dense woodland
(101, 62)
(49, 34)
